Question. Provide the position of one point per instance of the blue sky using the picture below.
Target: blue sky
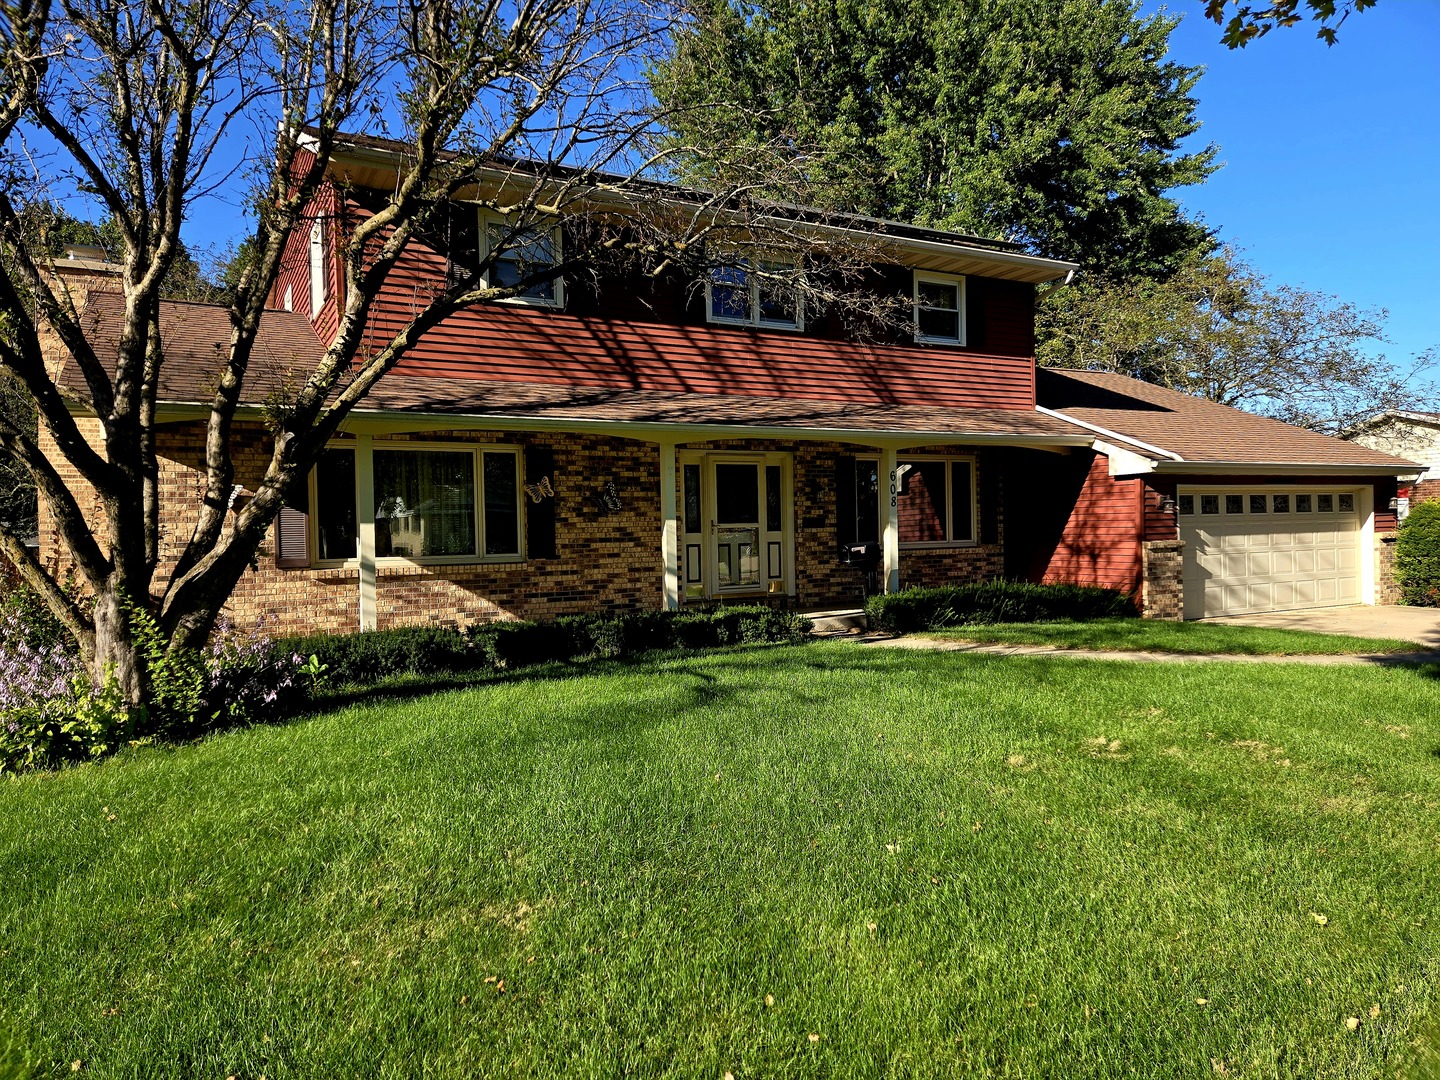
(1332, 157)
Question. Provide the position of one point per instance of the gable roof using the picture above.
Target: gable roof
(1183, 433)
(197, 338)
(370, 161)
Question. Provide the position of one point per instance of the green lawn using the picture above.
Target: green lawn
(817, 861)
(1150, 635)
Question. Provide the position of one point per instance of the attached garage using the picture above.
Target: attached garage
(1269, 549)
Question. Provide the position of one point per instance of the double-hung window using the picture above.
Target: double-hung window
(935, 501)
(441, 503)
(519, 255)
(939, 308)
(754, 293)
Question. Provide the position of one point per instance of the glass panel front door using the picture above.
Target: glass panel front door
(737, 526)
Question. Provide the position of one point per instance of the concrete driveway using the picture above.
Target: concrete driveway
(1421, 625)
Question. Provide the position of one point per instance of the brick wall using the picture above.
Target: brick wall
(1386, 591)
(1162, 585)
(606, 560)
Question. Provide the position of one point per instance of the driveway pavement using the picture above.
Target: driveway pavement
(1421, 625)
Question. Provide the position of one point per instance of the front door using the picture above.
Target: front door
(736, 535)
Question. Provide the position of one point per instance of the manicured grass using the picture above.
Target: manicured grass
(788, 862)
(1150, 635)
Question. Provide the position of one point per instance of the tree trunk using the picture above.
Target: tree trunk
(117, 653)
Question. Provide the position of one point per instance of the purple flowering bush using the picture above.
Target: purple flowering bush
(250, 679)
(51, 712)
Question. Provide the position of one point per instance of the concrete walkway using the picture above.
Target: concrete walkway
(1327, 660)
(1420, 625)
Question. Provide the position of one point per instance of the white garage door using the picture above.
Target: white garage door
(1268, 550)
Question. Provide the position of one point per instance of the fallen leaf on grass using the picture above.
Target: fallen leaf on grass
(1321, 919)
(1202, 1001)
(814, 1038)
(769, 1001)
(1353, 1023)
(1375, 1011)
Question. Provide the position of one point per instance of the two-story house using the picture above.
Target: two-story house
(660, 442)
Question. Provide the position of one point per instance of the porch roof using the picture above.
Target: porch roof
(637, 413)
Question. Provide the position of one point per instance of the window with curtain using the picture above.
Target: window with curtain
(424, 503)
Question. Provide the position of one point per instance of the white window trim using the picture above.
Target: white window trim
(754, 321)
(1196, 490)
(939, 279)
(974, 501)
(473, 559)
(319, 271)
(487, 221)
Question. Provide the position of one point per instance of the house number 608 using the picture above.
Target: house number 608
(893, 488)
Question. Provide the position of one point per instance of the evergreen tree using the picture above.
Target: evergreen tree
(1054, 123)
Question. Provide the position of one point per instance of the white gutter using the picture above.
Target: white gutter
(1287, 468)
(1156, 451)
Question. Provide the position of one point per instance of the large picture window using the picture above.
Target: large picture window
(442, 503)
(749, 293)
(424, 503)
(936, 501)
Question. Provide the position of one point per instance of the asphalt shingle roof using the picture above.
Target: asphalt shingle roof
(1194, 428)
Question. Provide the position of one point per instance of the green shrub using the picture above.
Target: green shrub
(515, 644)
(1417, 556)
(372, 655)
(993, 602)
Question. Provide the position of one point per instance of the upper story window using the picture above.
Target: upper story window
(319, 269)
(745, 293)
(520, 254)
(939, 308)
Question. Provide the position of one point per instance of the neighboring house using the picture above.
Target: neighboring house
(643, 444)
(1413, 435)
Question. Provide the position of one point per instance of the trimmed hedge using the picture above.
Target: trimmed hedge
(993, 602)
(1417, 556)
(373, 655)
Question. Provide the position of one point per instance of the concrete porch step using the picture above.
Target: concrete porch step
(848, 621)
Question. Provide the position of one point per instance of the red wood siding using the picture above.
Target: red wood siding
(294, 275)
(1100, 542)
(514, 343)
(1160, 524)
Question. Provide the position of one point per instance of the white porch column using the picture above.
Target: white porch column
(890, 532)
(365, 522)
(669, 528)
(1365, 506)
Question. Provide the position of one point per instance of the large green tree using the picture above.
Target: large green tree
(1055, 123)
(1219, 329)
